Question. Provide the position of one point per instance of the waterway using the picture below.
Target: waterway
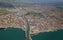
(18, 34)
(57, 35)
(12, 34)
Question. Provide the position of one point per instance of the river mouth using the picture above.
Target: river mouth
(18, 34)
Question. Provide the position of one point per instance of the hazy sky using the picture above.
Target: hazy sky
(38, 1)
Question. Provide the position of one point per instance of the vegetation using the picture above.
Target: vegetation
(57, 18)
(34, 14)
(3, 12)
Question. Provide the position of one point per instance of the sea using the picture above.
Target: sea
(18, 34)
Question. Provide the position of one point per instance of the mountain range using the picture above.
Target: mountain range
(11, 3)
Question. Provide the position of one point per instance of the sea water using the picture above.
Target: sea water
(56, 35)
(12, 34)
(18, 34)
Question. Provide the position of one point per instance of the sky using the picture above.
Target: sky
(37, 1)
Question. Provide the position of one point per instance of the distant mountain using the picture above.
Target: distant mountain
(12, 3)
(36, 1)
(5, 4)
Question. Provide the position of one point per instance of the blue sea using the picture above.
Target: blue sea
(18, 34)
